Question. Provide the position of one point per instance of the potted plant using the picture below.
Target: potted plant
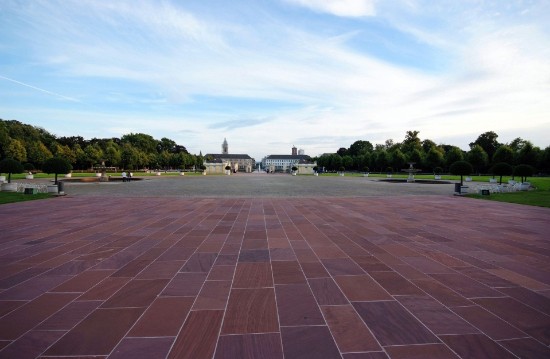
(315, 173)
(341, 170)
(437, 173)
(501, 169)
(56, 165)
(203, 169)
(9, 166)
(460, 168)
(29, 167)
(366, 171)
(294, 169)
(389, 172)
(228, 170)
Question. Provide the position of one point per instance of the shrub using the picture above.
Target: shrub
(389, 170)
(57, 165)
(28, 167)
(342, 168)
(501, 169)
(523, 171)
(438, 170)
(227, 168)
(461, 168)
(294, 168)
(9, 166)
(366, 169)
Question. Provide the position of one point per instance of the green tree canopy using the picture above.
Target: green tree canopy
(502, 169)
(9, 166)
(461, 168)
(57, 165)
(504, 154)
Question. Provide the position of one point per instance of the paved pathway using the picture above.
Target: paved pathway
(428, 276)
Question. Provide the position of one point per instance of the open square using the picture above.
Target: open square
(259, 266)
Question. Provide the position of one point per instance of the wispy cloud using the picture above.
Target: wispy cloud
(40, 89)
(202, 74)
(345, 8)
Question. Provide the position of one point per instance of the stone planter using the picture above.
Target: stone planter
(228, 172)
(316, 174)
(2, 179)
(182, 173)
(389, 176)
(98, 174)
(469, 179)
(68, 175)
(492, 180)
(204, 173)
(524, 186)
(437, 177)
(52, 188)
(365, 174)
(29, 177)
(9, 187)
(158, 173)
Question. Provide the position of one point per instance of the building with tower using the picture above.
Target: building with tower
(284, 163)
(216, 162)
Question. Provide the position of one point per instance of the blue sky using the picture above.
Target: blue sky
(266, 75)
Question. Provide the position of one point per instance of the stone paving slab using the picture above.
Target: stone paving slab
(428, 276)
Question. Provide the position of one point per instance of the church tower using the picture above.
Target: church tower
(225, 147)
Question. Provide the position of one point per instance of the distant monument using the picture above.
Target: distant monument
(225, 147)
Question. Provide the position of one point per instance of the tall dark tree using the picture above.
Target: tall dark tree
(360, 148)
(487, 141)
(57, 165)
(504, 154)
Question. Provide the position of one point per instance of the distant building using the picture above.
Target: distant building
(216, 162)
(284, 163)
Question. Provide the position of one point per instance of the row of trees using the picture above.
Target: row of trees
(34, 146)
(484, 152)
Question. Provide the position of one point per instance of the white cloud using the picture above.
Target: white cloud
(344, 8)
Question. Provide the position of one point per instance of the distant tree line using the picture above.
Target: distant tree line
(33, 146)
(484, 153)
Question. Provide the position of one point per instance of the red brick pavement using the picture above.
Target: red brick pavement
(414, 277)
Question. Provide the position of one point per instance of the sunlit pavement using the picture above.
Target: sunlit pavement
(206, 275)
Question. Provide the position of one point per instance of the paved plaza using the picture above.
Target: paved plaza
(261, 266)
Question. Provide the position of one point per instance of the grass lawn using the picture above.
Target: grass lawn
(11, 197)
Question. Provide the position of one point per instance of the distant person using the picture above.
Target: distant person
(130, 176)
(124, 176)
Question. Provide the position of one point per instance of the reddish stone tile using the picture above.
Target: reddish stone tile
(395, 284)
(132, 269)
(314, 270)
(526, 296)
(526, 348)
(310, 342)
(287, 272)
(177, 253)
(342, 266)
(525, 318)
(161, 270)
(370, 264)
(69, 316)
(370, 355)
(519, 279)
(361, 288)
(142, 348)
(282, 254)
(198, 337)
(104, 289)
(326, 292)
(465, 286)
(254, 255)
(329, 252)
(221, 273)
(475, 346)
(7, 306)
(348, 329)
(163, 318)
(213, 295)
(435, 316)
(31, 345)
(253, 275)
(185, 284)
(297, 305)
(440, 292)
(249, 346)
(438, 351)
(200, 262)
(391, 324)
(491, 325)
(98, 334)
(254, 244)
(251, 311)
(84, 281)
(137, 293)
(29, 315)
